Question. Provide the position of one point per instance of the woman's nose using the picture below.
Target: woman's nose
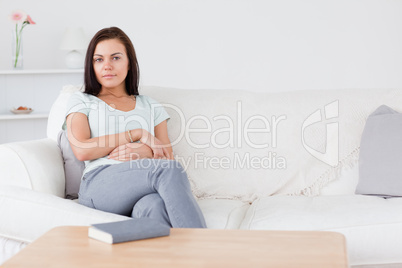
(107, 65)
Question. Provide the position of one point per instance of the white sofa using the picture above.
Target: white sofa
(302, 178)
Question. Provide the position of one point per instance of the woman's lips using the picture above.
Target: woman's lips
(108, 76)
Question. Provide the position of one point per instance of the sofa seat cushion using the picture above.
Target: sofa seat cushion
(223, 213)
(321, 212)
(368, 222)
(47, 211)
(9, 247)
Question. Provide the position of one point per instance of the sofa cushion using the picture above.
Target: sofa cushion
(57, 113)
(380, 160)
(73, 168)
(223, 213)
(9, 247)
(368, 222)
(47, 211)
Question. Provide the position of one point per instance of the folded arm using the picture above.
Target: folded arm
(139, 150)
(87, 148)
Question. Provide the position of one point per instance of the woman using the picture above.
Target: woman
(122, 137)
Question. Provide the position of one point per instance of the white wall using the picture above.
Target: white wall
(270, 45)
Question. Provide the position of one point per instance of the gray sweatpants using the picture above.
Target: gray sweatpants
(153, 188)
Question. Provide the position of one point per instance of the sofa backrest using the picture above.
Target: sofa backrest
(244, 145)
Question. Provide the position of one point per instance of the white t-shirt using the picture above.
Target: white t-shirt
(106, 120)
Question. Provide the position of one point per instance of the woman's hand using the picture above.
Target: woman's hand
(158, 148)
(131, 151)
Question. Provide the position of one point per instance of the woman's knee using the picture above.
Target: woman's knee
(174, 174)
(149, 205)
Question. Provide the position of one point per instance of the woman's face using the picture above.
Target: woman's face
(111, 64)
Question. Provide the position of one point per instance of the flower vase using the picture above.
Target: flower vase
(17, 51)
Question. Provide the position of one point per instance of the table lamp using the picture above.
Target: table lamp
(74, 39)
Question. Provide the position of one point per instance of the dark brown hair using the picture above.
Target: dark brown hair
(92, 85)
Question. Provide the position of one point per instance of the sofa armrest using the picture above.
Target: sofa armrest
(36, 165)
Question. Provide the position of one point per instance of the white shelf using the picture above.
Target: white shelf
(43, 71)
(23, 116)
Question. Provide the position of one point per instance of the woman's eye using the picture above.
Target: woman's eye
(116, 58)
(98, 60)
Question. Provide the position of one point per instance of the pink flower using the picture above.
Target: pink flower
(29, 20)
(18, 16)
(21, 19)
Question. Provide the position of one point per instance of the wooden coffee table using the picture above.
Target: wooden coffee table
(71, 247)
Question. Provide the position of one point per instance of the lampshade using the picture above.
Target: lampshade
(74, 39)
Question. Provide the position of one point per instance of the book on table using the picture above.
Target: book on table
(128, 230)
